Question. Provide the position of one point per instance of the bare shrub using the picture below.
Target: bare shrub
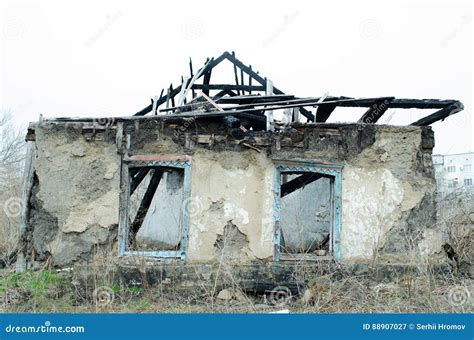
(12, 148)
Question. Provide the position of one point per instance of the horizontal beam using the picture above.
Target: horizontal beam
(252, 99)
(283, 104)
(206, 87)
(253, 105)
(421, 103)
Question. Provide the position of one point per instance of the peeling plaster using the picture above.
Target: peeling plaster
(235, 213)
(383, 183)
(212, 179)
(370, 207)
(410, 197)
(79, 220)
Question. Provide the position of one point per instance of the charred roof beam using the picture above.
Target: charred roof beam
(440, 114)
(375, 112)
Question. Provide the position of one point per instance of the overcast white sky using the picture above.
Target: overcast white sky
(105, 58)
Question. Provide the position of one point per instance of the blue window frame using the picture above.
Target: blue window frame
(333, 172)
(180, 162)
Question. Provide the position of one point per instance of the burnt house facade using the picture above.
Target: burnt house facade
(239, 171)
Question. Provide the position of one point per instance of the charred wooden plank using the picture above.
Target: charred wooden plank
(137, 178)
(323, 113)
(145, 203)
(222, 93)
(242, 79)
(250, 79)
(375, 112)
(206, 80)
(262, 81)
(172, 97)
(251, 99)
(401, 103)
(440, 115)
(176, 91)
(191, 74)
(299, 182)
(280, 101)
(148, 109)
(235, 74)
(233, 87)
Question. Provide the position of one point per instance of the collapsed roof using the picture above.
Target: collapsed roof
(250, 102)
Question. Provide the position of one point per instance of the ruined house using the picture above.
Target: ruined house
(238, 171)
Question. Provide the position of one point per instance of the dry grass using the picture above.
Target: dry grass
(330, 290)
(53, 292)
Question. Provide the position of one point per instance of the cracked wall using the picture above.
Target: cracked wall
(388, 206)
(231, 187)
(395, 208)
(74, 203)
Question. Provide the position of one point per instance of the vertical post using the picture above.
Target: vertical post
(185, 210)
(337, 216)
(183, 92)
(192, 76)
(119, 137)
(276, 215)
(242, 80)
(168, 93)
(235, 74)
(154, 102)
(123, 208)
(332, 215)
(269, 114)
(296, 114)
(172, 98)
(250, 79)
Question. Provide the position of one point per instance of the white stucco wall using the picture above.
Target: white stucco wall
(231, 186)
